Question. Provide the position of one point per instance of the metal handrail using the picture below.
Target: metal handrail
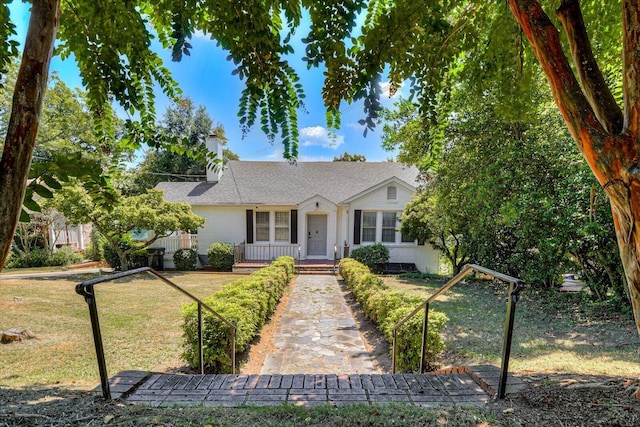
(516, 286)
(86, 290)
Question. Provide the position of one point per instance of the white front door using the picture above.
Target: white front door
(316, 235)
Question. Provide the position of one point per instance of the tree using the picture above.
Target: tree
(422, 220)
(181, 121)
(429, 43)
(148, 211)
(346, 157)
(606, 135)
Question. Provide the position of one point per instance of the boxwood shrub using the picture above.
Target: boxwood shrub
(185, 259)
(374, 256)
(247, 303)
(386, 308)
(220, 256)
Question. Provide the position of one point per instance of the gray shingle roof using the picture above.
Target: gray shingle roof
(281, 183)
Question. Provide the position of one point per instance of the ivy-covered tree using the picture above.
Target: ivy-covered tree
(148, 211)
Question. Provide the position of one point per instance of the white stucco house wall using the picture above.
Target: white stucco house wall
(306, 209)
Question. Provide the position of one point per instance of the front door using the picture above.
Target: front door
(316, 235)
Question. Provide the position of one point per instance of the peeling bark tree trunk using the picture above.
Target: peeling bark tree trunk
(28, 97)
(607, 137)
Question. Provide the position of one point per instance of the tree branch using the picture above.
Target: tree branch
(566, 90)
(631, 65)
(594, 86)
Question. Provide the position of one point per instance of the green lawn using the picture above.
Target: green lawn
(139, 316)
(552, 333)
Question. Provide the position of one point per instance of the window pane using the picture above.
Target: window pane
(369, 219)
(389, 227)
(282, 234)
(282, 219)
(388, 235)
(282, 226)
(369, 226)
(389, 219)
(368, 234)
(262, 226)
(262, 219)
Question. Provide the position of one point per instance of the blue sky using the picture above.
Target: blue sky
(206, 78)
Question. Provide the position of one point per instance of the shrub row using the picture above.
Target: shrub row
(39, 257)
(247, 303)
(387, 308)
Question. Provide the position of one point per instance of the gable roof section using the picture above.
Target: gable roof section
(281, 183)
(392, 180)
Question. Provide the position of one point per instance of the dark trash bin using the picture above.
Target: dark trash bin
(156, 258)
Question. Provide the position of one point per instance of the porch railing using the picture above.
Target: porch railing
(173, 243)
(252, 252)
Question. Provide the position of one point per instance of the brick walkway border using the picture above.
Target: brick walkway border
(425, 390)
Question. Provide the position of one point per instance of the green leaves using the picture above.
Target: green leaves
(8, 48)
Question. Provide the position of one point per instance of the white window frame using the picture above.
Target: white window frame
(261, 226)
(369, 227)
(387, 227)
(283, 227)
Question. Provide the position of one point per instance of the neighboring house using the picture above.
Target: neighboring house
(308, 209)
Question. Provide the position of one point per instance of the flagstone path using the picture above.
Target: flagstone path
(317, 333)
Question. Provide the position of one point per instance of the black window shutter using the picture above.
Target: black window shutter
(294, 226)
(357, 222)
(249, 225)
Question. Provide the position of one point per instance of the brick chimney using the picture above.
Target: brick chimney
(214, 172)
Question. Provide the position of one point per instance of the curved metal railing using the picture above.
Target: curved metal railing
(86, 290)
(516, 286)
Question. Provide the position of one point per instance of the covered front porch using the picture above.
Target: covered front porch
(251, 257)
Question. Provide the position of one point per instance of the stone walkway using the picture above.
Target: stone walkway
(317, 333)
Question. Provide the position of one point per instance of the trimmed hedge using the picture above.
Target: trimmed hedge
(374, 256)
(387, 308)
(247, 303)
(220, 256)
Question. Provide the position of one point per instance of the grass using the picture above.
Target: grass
(553, 332)
(139, 317)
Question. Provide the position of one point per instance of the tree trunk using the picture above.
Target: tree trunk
(608, 139)
(26, 108)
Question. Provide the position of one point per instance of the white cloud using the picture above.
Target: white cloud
(319, 136)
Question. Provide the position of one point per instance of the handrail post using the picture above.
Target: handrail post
(233, 351)
(200, 340)
(425, 328)
(97, 340)
(393, 354)
(514, 291)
